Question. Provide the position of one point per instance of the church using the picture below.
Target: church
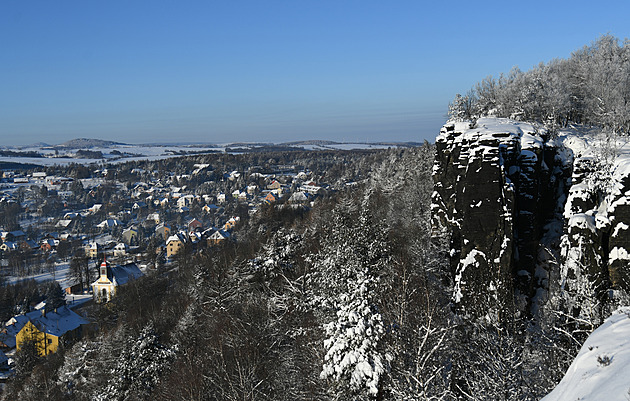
(110, 277)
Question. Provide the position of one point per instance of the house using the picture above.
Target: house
(95, 208)
(210, 208)
(18, 235)
(47, 329)
(48, 244)
(174, 244)
(109, 223)
(92, 249)
(234, 175)
(76, 288)
(194, 237)
(163, 230)
(185, 201)
(231, 223)
(130, 235)
(65, 236)
(274, 185)
(194, 225)
(155, 217)
(270, 198)
(299, 197)
(217, 237)
(28, 245)
(9, 246)
(104, 288)
(63, 223)
(312, 188)
(221, 198)
(120, 249)
(139, 205)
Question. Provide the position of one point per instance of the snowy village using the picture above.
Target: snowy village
(317, 201)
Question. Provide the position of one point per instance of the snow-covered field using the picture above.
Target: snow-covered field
(61, 275)
(130, 153)
(151, 152)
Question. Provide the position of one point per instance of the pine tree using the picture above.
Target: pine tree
(55, 297)
(351, 264)
(139, 368)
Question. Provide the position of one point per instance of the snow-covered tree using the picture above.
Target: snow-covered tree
(349, 269)
(139, 369)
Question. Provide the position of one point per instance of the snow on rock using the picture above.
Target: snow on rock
(582, 221)
(469, 260)
(600, 370)
(491, 180)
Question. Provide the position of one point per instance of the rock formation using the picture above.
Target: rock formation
(523, 209)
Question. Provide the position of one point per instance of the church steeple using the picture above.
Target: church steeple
(104, 268)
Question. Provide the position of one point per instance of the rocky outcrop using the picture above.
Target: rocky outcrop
(496, 188)
(526, 212)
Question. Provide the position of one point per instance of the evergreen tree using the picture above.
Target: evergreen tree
(55, 297)
(139, 369)
(351, 263)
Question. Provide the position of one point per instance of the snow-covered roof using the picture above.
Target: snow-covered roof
(56, 323)
(123, 274)
(220, 234)
(173, 237)
(108, 223)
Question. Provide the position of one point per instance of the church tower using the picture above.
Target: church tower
(104, 269)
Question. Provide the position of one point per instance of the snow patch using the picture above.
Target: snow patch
(600, 370)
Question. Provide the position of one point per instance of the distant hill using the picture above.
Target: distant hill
(37, 145)
(86, 143)
(310, 142)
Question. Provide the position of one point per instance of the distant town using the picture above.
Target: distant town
(87, 229)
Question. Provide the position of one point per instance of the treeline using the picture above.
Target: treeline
(12, 153)
(591, 87)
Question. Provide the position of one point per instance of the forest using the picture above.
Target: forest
(592, 87)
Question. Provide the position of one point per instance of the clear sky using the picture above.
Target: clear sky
(265, 70)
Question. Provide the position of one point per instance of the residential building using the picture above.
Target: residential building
(47, 329)
(174, 244)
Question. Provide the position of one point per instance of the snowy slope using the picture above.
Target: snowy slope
(601, 371)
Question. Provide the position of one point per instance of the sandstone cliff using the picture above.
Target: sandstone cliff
(532, 217)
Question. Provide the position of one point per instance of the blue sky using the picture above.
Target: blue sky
(222, 71)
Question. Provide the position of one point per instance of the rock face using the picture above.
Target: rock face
(526, 212)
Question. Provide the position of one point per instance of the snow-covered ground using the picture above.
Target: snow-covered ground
(131, 152)
(151, 152)
(61, 275)
(601, 371)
